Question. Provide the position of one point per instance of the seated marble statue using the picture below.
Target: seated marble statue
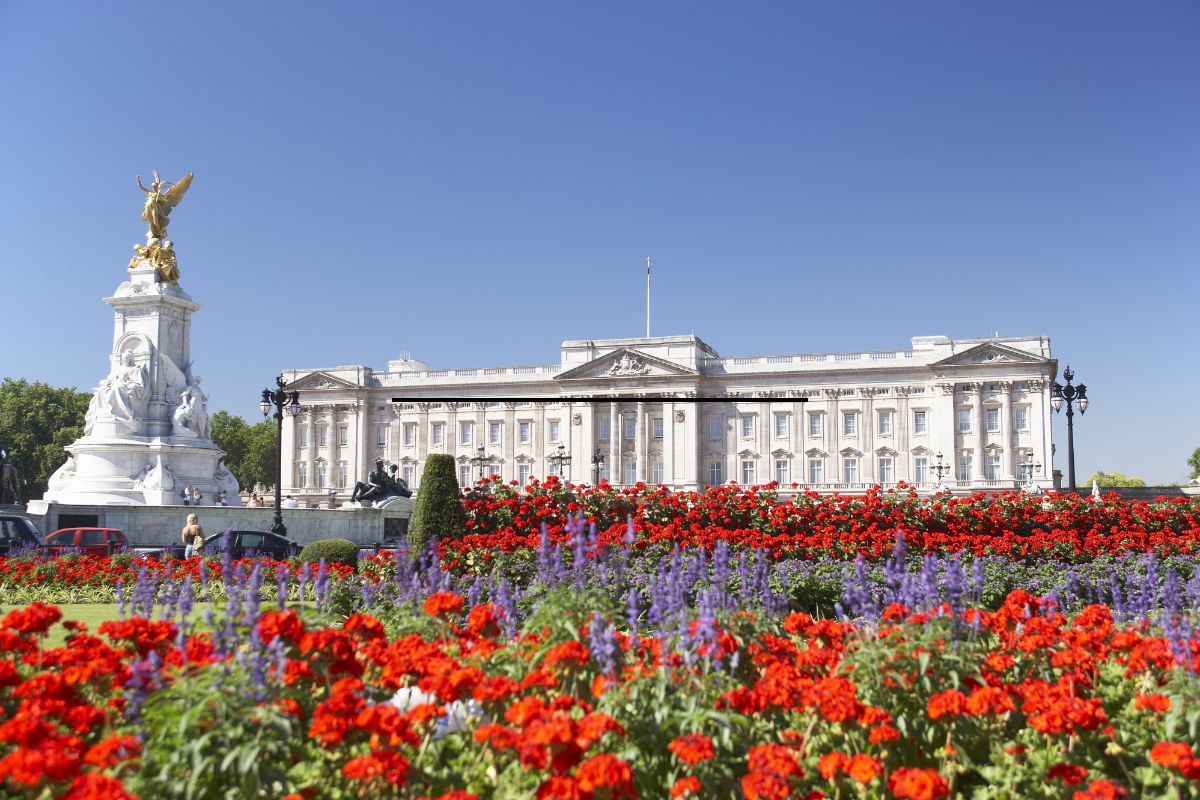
(380, 485)
(122, 395)
(190, 418)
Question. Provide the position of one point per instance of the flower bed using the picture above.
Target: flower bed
(1068, 527)
(433, 700)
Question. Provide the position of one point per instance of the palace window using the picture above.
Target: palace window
(464, 476)
(656, 472)
(437, 433)
(323, 436)
(850, 470)
(410, 434)
(714, 473)
(920, 422)
(302, 476)
(524, 432)
(849, 424)
(494, 431)
(322, 476)
(921, 469)
(748, 477)
(814, 423)
(465, 429)
(887, 472)
(781, 426)
(409, 475)
(604, 430)
(342, 476)
(993, 466)
(816, 470)
(522, 474)
(343, 435)
(885, 423)
(631, 472)
(714, 429)
(964, 468)
(964, 420)
(554, 430)
(381, 435)
(630, 427)
(303, 438)
(993, 420)
(657, 429)
(747, 426)
(783, 472)
(1021, 418)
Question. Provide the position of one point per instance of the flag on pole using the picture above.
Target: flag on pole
(647, 297)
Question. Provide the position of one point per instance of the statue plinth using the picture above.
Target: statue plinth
(146, 434)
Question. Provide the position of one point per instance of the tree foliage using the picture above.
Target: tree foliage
(250, 450)
(36, 422)
(438, 512)
(1194, 463)
(1114, 480)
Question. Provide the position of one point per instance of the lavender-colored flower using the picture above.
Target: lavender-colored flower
(602, 644)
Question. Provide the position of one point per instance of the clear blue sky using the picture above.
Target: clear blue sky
(474, 182)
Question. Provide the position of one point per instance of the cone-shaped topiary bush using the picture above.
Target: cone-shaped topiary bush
(438, 512)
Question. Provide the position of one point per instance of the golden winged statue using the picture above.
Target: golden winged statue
(161, 197)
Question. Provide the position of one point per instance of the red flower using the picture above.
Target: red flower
(606, 770)
(692, 748)
(911, 783)
(443, 603)
(1070, 774)
(685, 785)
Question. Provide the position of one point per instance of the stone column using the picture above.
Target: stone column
(668, 443)
(614, 441)
(693, 466)
(641, 441)
(540, 466)
(311, 466)
(1008, 437)
(978, 424)
(422, 448)
(866, 432)
(508, 437)
(587, 444)
(902, 465)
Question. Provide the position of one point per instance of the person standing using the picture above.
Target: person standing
(196, 496)
(193, 536)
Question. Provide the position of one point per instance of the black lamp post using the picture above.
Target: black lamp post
(597, 465)
(940, 468)
(281, 399)
(480, 460)
(560, 460)
(1071, 395)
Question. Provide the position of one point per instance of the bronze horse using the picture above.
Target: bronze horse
(12, 484)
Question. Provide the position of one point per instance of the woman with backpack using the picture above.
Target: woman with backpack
(193, 536)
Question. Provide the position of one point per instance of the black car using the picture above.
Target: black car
(18, 535)
(250, 544)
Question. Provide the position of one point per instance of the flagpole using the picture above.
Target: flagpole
(647, 297)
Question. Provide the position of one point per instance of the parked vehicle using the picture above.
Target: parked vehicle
(249, 544)
(89, 541)
(18, 534)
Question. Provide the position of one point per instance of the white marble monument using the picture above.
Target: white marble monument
(147, 433)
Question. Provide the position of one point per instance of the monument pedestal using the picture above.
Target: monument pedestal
(146, 435)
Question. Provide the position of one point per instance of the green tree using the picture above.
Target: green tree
(438, 511)
(250, 450)
(36, 422)
(1113, 480)
(1194, 463)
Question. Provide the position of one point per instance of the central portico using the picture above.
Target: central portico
(825, 421)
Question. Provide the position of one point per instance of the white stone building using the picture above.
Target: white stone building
(828, 422)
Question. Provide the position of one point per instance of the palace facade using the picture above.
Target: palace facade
(625, 410)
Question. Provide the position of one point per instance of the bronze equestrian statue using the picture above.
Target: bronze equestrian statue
(12, 482)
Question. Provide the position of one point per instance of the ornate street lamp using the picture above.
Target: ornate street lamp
(560, 460)
(1031, 469)
(480, 460)
(939, 469)
(1070, 395)
(280, 399)
(597, 465)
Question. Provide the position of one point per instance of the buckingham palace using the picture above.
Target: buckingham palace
(966, 414)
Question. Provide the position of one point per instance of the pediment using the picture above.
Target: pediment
(320, 380)
(989, 353)
(626, 363)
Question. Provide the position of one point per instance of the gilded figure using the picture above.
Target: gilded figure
(161, 197)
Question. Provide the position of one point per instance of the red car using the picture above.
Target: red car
(89, 541)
